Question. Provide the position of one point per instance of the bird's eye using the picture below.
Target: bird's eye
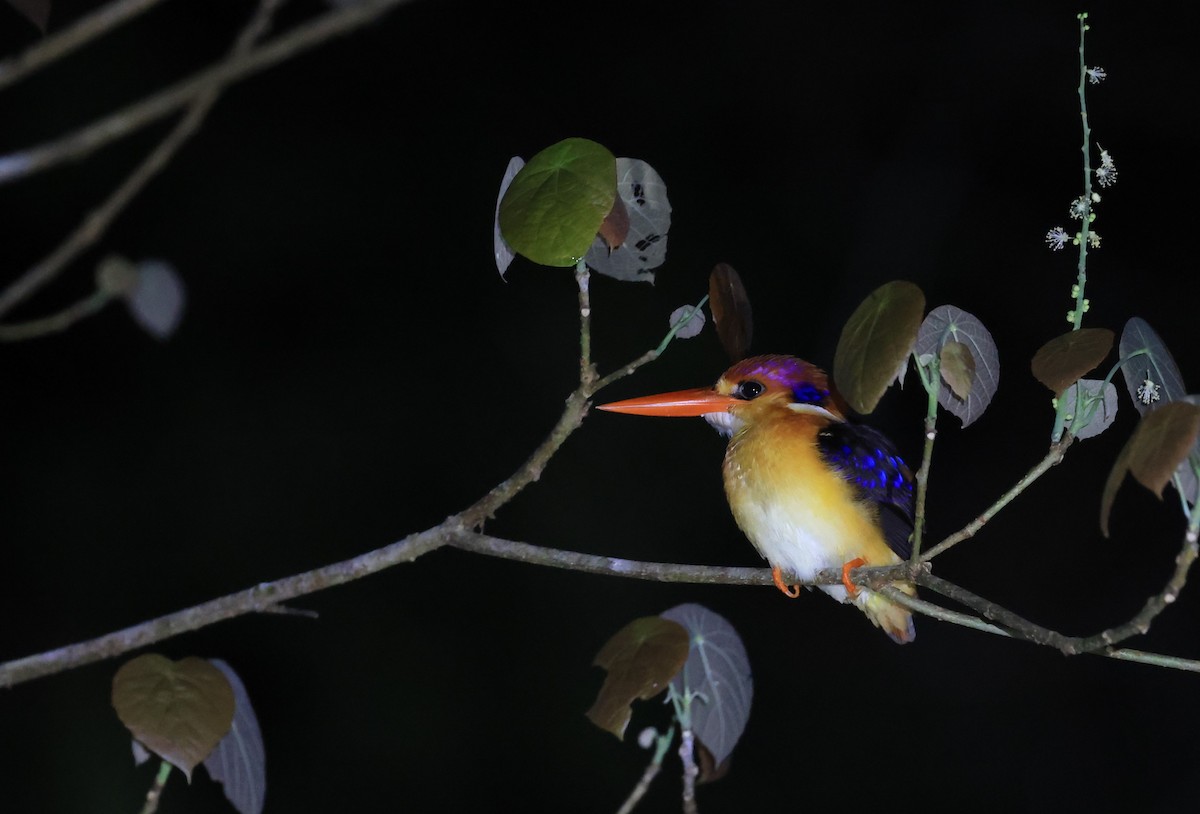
(749, 390)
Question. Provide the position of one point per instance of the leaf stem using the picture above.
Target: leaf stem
(155, 792)
(933, 384)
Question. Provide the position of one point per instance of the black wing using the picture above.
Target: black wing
(868, 459)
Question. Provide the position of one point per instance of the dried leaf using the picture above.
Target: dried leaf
(1162, 440)
(693, 326)
(710, 770)
(504, 252)
(645, 247)
(179, 710)
(640, 659)
(718, 669)
(615, 226)
(239, 762)
(957, 367)
(1096, 412)
(731, 311)
(557, 201)
(876, 341)
(1151, 376)
(1064, 359)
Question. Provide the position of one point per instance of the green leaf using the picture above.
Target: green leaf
(1157, 447)
(876, 342)
(718, 669)
(730, 306)
(1064, 359)
(1095, 412)
(1153, 363)
(179, 710)
(946, 324)
(556, 203)
(641, 660)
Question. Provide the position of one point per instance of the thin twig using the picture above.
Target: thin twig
(58, 45)
(81, 142)
(1053, 456)
(58, 322)
(96, 223)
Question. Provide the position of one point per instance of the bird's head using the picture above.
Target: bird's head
(751, 389)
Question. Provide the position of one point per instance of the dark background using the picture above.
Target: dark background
(351, 369)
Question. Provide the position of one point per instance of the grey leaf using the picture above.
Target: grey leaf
(157, 298)
(694, 325)
(719, 670)
(948, 323)
(1105, 411)
(504, 252)
(239, 762)
(645, 197)
(1154, 365)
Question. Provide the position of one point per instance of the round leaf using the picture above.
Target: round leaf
(1151, 376)
(731, 311)
(718, 669)
(157, 298)
(1064, 359)
(644, 196)
(558, 200)
(876, 342)
(694, 324)
(640, 659)
(178, 709)
(1098, 408)
(946, 324)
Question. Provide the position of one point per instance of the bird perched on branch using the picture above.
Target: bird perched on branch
(810, 489)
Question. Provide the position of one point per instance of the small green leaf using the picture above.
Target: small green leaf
(948, 323)
(718, 671)
(730, 306)
(1157, 447)
(1064, 359)
(1151, 376)
(641, 659)
(876, 342)
(957, 366)
(179, 710)
(556, 203)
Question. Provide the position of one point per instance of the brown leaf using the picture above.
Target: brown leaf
(710, 770)
(641, 659)
(615, 227)
(178, 709)
(1155, 450)
(731, 310)
(957, 366)
(1064, 359)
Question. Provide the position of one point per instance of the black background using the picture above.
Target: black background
(351, 369)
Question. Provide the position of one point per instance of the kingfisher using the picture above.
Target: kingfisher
(809, 488)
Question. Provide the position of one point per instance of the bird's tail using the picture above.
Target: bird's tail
(895, 620)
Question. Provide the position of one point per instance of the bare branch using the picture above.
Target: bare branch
(63, 42)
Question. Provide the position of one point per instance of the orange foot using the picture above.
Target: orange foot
(846, 569)
(790, 591)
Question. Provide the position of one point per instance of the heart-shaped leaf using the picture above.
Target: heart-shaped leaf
(556, 203)
(1154, 452)
(718, 672)
(946, 324)
(1064, 359)
(876, 342)
(1149, 370)
(644, 196)
(239, 762)
(641, 660)
(731, 311)
(179, 710)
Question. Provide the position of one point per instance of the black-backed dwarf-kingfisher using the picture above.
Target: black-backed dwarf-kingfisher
(810, 489)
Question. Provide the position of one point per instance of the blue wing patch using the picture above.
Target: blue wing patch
(868, 459)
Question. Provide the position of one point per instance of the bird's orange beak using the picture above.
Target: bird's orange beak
(696, 402)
